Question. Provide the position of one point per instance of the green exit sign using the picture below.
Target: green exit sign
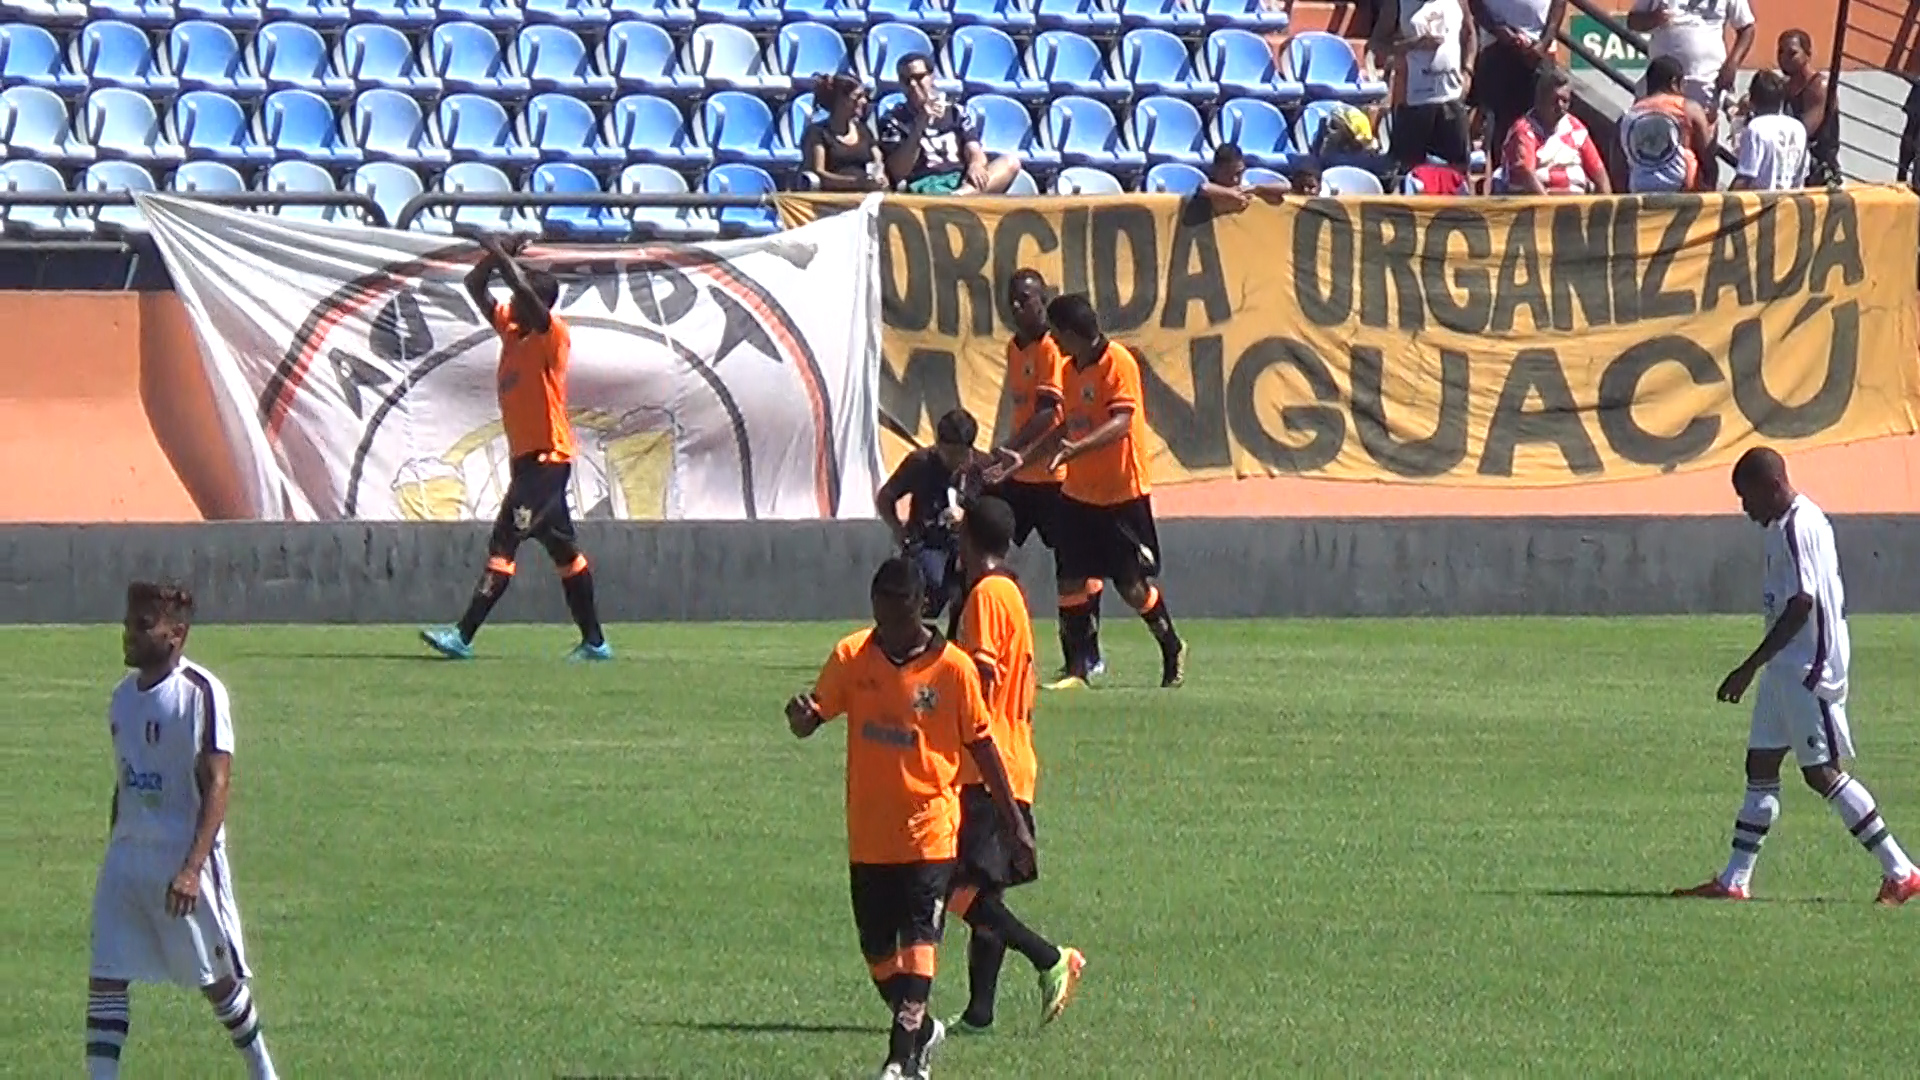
(1605, 44)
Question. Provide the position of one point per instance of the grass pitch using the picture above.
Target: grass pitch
(1345, 848)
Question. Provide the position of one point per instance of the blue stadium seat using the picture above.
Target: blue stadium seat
(926, 14)
(588, 223)
(583, 16)
(29, 56)
(291, 56)
(1023, 184)
(371, 56)
(1169, 130)
(740, 127)
(885, 44)
(123, 125)
(1349, 180)
(117, 54)
(1081, 16)
(38, 126)
(319, 14)
(560, 127)
(640, 56)
(469, 60)
(1072, 64)
(727, 57)
(1008, 15)
(1244, 15)
(1156, 62)
(839, 14)
(678, 222)
(887, 101)
(1257, 128)
(1258, 176)
(791, 124)
(1306, 131)
(207, 177)
(756, 14)
(1178, 16)
(1242, 63)
(45, 12)
(1005, 128)
(301, 126)
(399, 14)
(554, 59)
(1082, 180)
(390, 186)
(986, 61)
(476, 128)
(40, 222)
(493, 14)
(151, 13)
(212, 126)
(1325, 64)
(1175, 178)
(802, 50)
(245, 14)
(654, 130)
(1085, 133)
(206, 56)
(473, 177)
(741, 179)
(304, 177)
(668, 14)
(117, 176)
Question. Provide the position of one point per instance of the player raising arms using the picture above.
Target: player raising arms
(535, 348)
(1106, 521)
(163, 907)
(913, 707)
(997, 630)
(1802, 668)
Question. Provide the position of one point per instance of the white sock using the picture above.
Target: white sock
(1757, 815)
(1855, 805)
(242, 1022)
(107, 1015)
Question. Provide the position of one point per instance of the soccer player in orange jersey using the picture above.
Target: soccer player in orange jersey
(535, 347)
(914, 710)
(997, 631)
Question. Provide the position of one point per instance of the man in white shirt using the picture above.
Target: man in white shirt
(1425, 48)
(163, 907)
(1694, 32)
(1802, 667)
(1773, 144)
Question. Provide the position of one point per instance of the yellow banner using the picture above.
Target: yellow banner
(1508, 342)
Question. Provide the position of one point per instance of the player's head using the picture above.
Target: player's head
(1767, 93)
(898, 596)
(1229, 165)
(1027, 297)
(545, 286)
(1795, 52)
(1552, 94)
(158, 617)
(985, 533)
(1075, 326)
(1666, 75)
(1760, 479)
(953, 438)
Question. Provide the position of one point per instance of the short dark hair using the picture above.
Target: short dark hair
(899, 577)
(1551, 78)
(1767, 92)
(545, 286)
(1800, 38)
(912, 58)
(957, 428)
(1027, 275)
(1074, 313)
(1228, 154)
(1305, 172)
(163, 599)
(989, 524)
(1665, 75)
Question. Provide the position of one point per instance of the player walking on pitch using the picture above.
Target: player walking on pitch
(913, 707)
(163, 907)
(535, 347)
(1802, 667)
(997, 631)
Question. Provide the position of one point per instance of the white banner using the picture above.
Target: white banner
(728, 380)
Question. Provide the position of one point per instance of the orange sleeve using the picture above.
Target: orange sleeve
(975, 722)
(500, 317)
(1122, 382)
(834, 687)
(983, 633)
(1047, 372)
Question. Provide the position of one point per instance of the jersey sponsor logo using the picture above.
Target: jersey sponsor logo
(146, 783)
(900, 738)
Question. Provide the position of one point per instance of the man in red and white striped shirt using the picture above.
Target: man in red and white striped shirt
(1549, 151)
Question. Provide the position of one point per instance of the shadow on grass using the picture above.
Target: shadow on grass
(1652, 894)
(741, 1027)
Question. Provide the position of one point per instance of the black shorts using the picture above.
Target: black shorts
(899, 904)
(535, 508)
(1118, 543)
(1036, 508)
(1437, 130)
(986, 859)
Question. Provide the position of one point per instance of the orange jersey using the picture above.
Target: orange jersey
(1117, 472)
(1033, 380)
(996, 628)
(908, 726)
(533, 386)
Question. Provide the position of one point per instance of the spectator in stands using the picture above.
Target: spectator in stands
(1773, 145)
(1347, 137)
(1549, 151)
(839, 153)
(1519, 42)
(1667, 136)
(1907, 169)
(1807, 102)
(1424, 48)
(1306, 180)
(1694, 33)
(930, 144)
(1226, 188)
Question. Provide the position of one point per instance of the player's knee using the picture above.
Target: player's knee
(1135, 593)
(1763, 766)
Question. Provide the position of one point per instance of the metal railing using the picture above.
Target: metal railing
(96, 200)
(1613, 73)
(517, 200)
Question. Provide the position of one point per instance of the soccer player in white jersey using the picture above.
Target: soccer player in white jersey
(163, 908)
(1802, 697)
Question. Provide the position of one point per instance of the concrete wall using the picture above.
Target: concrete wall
(371, 573)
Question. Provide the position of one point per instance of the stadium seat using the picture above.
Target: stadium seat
(555, 60)
(207, 177)
(206, 56)
(244, 14)
(1005, 128)
(986, 61)
(654, 130)
(475, 128)
(117, 54)
(742, 179)
(1072, 64)
(290, 56)
(109, 176)
(1080, 16)
(559, 127)
(1243, 15)
(45, 12)
(926, 14)
(668, 14)
(303, 177)
(1324, 63)
(390, 126)
(1257, 128)
(583, 222)
(582, 16)
(754, 14)
(1156, 62)
(1257, 176)
(301, 126)
(802, 50)
(726, 57)
(1306, 131)
(213, 127)
(1169, 130)
(469, 60)
(885, 44)
(1242, 63)
(1175, 178)
(1084, 132)
(1023, 184)
(492, 14)
(739, 127)
(319, 14)
(371, 56)
(839, 14)
(1174, 16)
(149, 13)
(124, 125)
(1348, 180)
(390, 186)
(472, 178)
(1008, 15)
(35, 124)
(29, 56)
(640, 57)
(398, 14)
(40, 222)
(677, 222)
(1080, 180)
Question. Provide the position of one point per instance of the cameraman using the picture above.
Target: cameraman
(937, 483)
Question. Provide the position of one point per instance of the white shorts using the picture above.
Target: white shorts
(1787, 714)
(135, 940)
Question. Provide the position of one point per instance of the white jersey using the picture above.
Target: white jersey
(1773, 153)
(158, 736)
(1434, 75)
(1696, 33)
(1801, 558)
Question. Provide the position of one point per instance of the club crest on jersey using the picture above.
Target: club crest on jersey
(153, 732)
(924, 699)
(522, 518)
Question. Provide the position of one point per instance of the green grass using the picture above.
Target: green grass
(1346, 848)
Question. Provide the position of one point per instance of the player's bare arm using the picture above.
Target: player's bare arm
(477, 281)
(1793, 618)
(803, 715)
(994, 771)
(526, 298)
(1110, 432)
(214, 772)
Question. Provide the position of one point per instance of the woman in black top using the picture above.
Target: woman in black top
(839, 151)
(1807, 102)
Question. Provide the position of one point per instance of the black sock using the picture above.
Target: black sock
(985, 952)
(902, 1041)
(1161, 623)
(579, 590)
(493, 585)
(990, 911)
